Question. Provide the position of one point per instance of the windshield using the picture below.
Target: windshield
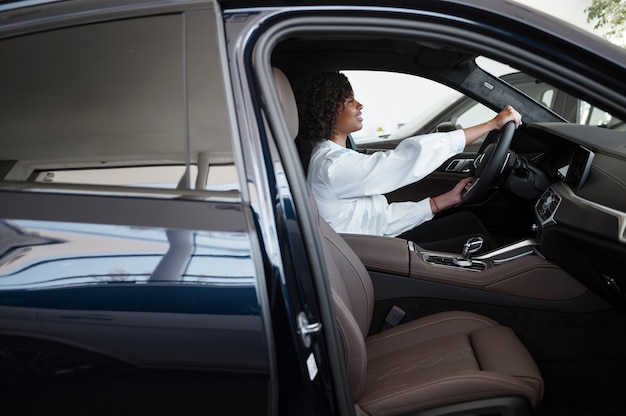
(396, 106)
(569, 107)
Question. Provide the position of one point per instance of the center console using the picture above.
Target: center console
(517, 269)
(465, 262)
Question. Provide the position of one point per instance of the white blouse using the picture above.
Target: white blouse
(348, 186)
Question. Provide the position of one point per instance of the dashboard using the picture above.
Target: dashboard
(581, 216)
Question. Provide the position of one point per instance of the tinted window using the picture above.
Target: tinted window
(142, 99)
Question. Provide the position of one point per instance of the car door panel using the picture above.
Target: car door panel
(114, 291)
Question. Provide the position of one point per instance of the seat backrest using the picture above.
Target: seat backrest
(288, 101)
(351, 285)
(353, 299)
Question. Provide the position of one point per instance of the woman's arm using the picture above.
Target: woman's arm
(350, 174)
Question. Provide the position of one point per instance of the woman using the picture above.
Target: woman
(349, 186)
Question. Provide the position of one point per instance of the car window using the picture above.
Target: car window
(573, 109)
(396, 106)
(218, 178)
(393, 101)
(475, 114)
(142, 104)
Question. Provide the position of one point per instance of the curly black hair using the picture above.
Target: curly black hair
(319, 99)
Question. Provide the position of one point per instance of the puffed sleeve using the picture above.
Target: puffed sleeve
(403, 216)
(352, 174)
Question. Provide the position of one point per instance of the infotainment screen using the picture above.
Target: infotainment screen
(579, 168)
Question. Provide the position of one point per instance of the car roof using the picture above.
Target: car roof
(512, 10)
(509, 10)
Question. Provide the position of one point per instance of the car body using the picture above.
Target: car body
(159, 249)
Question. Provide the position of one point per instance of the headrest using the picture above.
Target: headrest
(288, 100)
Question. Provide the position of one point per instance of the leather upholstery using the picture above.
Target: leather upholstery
(354, 304)
(442, 359)
(288, 101)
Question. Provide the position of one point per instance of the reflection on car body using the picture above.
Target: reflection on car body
(108, 288)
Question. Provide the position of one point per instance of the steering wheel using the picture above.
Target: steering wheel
(490, 164)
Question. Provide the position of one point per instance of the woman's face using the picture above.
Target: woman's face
(349, 117)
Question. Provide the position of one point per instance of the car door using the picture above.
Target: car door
(131, 280)
(309, 357)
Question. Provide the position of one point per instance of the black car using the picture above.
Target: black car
(161, 253)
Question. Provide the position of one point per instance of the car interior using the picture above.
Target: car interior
(452, 361)
(557, 209)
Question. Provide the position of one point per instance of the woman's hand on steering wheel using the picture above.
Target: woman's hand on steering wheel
(453, 197)
(490, 165)
(507, 114)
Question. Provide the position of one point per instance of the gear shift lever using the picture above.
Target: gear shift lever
(471, 246)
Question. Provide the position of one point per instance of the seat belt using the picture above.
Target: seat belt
(394, 317)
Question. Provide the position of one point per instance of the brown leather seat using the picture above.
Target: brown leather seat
(447, 362)
(446, 358)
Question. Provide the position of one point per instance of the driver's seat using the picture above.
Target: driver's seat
(447, 362)
(440, 364)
